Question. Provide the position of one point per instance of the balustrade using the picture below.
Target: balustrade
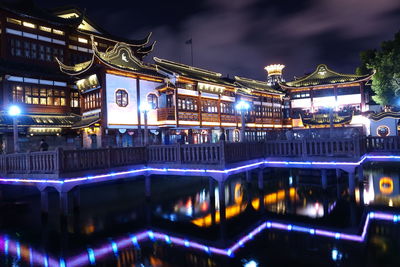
(217, 154)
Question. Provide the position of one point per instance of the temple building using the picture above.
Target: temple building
(314, 96)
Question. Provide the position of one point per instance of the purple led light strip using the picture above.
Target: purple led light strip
(11, 247)
(88, 178)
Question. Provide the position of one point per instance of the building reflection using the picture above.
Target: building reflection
(198, 209)
(381, 188)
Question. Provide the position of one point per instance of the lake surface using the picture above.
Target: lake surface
(297, 222)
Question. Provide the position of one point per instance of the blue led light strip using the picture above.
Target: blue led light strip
(227, 171)
(92, 255)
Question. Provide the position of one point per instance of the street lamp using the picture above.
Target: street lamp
(242, 106)
(145, 107)
(14, 111)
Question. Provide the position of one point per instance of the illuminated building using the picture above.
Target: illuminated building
(312, 95)
(274, 74)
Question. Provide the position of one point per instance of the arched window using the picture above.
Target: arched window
(121, 97)
(152, 99)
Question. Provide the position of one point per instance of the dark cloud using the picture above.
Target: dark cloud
(240, 37)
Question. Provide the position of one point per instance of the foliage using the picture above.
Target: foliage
(386, 63)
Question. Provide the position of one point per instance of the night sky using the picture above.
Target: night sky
(240, 37)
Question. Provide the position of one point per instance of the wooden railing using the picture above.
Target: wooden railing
(68, 161)
(165, 114)
(382, 144)
(187, 154)
(313, 148)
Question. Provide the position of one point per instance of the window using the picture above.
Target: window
(121, 97)
(33, 50)
(170, 101)
(45, 29)
(58, 32)
(33, 95)
(152, 99)
(15, 46)
(15, 21)
(75, 99)
(29, 25)
(82, 40)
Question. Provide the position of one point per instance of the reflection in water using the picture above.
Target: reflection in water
(192, 217)
(382, 187)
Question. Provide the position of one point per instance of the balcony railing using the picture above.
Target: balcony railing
(202, 155)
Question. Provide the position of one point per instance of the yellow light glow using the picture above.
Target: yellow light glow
(82, 40)
(45, 29)
(15, 21)
(29, 25)
(386, 185)
(58, 32)
(274, 69)
(236, 209)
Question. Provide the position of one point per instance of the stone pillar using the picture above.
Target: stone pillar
(147, 183)
(260, 185)
(212, 200)
(222, 208)
(63, 204)
(324, 179)
(44, 202)
(352, 184)
(360, 172)
(248, 176)
(76, 199)
(338, 193)
(260, 179)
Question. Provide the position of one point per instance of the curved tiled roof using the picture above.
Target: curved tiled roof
(256, 85)
(192, 72)
(383, 115)
(324, 76)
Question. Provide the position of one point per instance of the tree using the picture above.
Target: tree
(386, 63)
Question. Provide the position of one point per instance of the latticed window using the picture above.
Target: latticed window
(152, 99)
(121, 97)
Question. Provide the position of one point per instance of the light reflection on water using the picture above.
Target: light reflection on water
(193, 209)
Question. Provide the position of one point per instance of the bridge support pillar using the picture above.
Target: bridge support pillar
(360, 172)
(248, 176)
(63, 204)
(212, 200)
(222, 208)
(147, 184)
(260, 179)
(324, 179)
(352, 184)
(76, 199)
(44, 202)
(338, 193)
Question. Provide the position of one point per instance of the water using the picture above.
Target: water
(180, 224)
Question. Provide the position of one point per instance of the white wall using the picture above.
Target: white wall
(147, 87)
(391, 123)
(121, 117)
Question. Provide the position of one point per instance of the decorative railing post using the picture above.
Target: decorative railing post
(222, 153)
(59, 160)
(356, 145)
(303, 148)
(178, 154)
(108, 156)
(28, 162)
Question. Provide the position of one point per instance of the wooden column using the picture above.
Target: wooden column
(138, 110)
(176, 108)
(199, 106)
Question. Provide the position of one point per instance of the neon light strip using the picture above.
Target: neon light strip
(91, 256)
(227, 171)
